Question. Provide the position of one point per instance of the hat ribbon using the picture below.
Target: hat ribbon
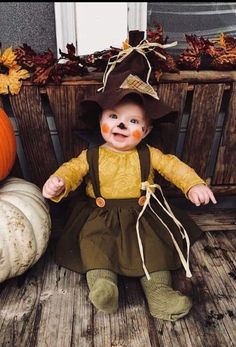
(143, 47)
(149, 192)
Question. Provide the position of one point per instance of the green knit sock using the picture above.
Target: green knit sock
(164, 302)
(103, 290)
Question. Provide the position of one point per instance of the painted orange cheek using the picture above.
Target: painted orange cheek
(105, 128)
(137, 134)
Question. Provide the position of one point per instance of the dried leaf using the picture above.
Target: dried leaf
(41, 75)
(158, 64)
(45, 59)
(198, 55)
(24, 56)
(157, 35)
(98, 60)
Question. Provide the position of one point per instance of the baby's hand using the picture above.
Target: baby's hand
(201, 194)
(53, 187)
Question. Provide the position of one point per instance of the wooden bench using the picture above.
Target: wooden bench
(203, 134)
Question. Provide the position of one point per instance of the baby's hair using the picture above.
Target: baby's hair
(132, 97)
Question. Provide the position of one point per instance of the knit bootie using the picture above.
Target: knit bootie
(164, 302)
(103, 290)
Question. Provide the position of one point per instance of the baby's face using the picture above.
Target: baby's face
(124, 126)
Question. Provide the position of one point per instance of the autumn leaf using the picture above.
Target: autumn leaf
(11, 73)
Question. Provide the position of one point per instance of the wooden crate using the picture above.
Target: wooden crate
(203, 134)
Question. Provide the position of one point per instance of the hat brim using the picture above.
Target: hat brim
(91, 109)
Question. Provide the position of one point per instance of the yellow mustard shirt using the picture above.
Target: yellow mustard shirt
(120, 176)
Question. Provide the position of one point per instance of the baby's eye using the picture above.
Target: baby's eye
(113, 116)
(133, 120)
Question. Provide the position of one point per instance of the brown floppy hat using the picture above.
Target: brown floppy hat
(127, 73)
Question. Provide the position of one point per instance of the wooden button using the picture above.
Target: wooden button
(100, 202)
(141, 200)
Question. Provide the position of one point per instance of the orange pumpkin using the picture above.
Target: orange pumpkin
(7, 145)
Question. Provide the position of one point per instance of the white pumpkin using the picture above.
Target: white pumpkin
(25, 226)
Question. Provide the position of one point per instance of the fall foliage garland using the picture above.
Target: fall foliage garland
(42, 68)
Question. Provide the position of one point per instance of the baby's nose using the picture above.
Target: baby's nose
(121, 126)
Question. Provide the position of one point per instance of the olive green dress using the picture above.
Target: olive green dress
(105, 237)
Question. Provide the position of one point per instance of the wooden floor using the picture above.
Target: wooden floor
(48, 306)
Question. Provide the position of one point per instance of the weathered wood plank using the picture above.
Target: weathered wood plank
(202, 123)
(64, 101)
(203, 326)
(83, 316)
(199, 76)
(102, 330)
(222, 190)
(225, 172)
(216, 219)
(222, 298)
(166, 135)
(213, 313)
(56, 300)
(129, 326)
(34, 133)
(19, 308)
(222, 254)
(182, 76)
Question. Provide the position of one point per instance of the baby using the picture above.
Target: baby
(116, 230)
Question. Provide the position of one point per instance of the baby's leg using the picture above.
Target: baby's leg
(103, 289)
(163, 301)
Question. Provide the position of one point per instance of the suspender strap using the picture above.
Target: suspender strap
(93, 159)
(144, 160)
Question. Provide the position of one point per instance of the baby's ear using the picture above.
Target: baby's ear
(147, 131)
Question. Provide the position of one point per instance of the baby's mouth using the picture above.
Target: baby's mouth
(119, 136)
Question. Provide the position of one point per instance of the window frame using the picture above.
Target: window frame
(65, 24)
(66, 21)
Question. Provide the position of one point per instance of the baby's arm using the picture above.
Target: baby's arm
(66, 178)
(201, 194)
(54, 186)
(182, 176)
